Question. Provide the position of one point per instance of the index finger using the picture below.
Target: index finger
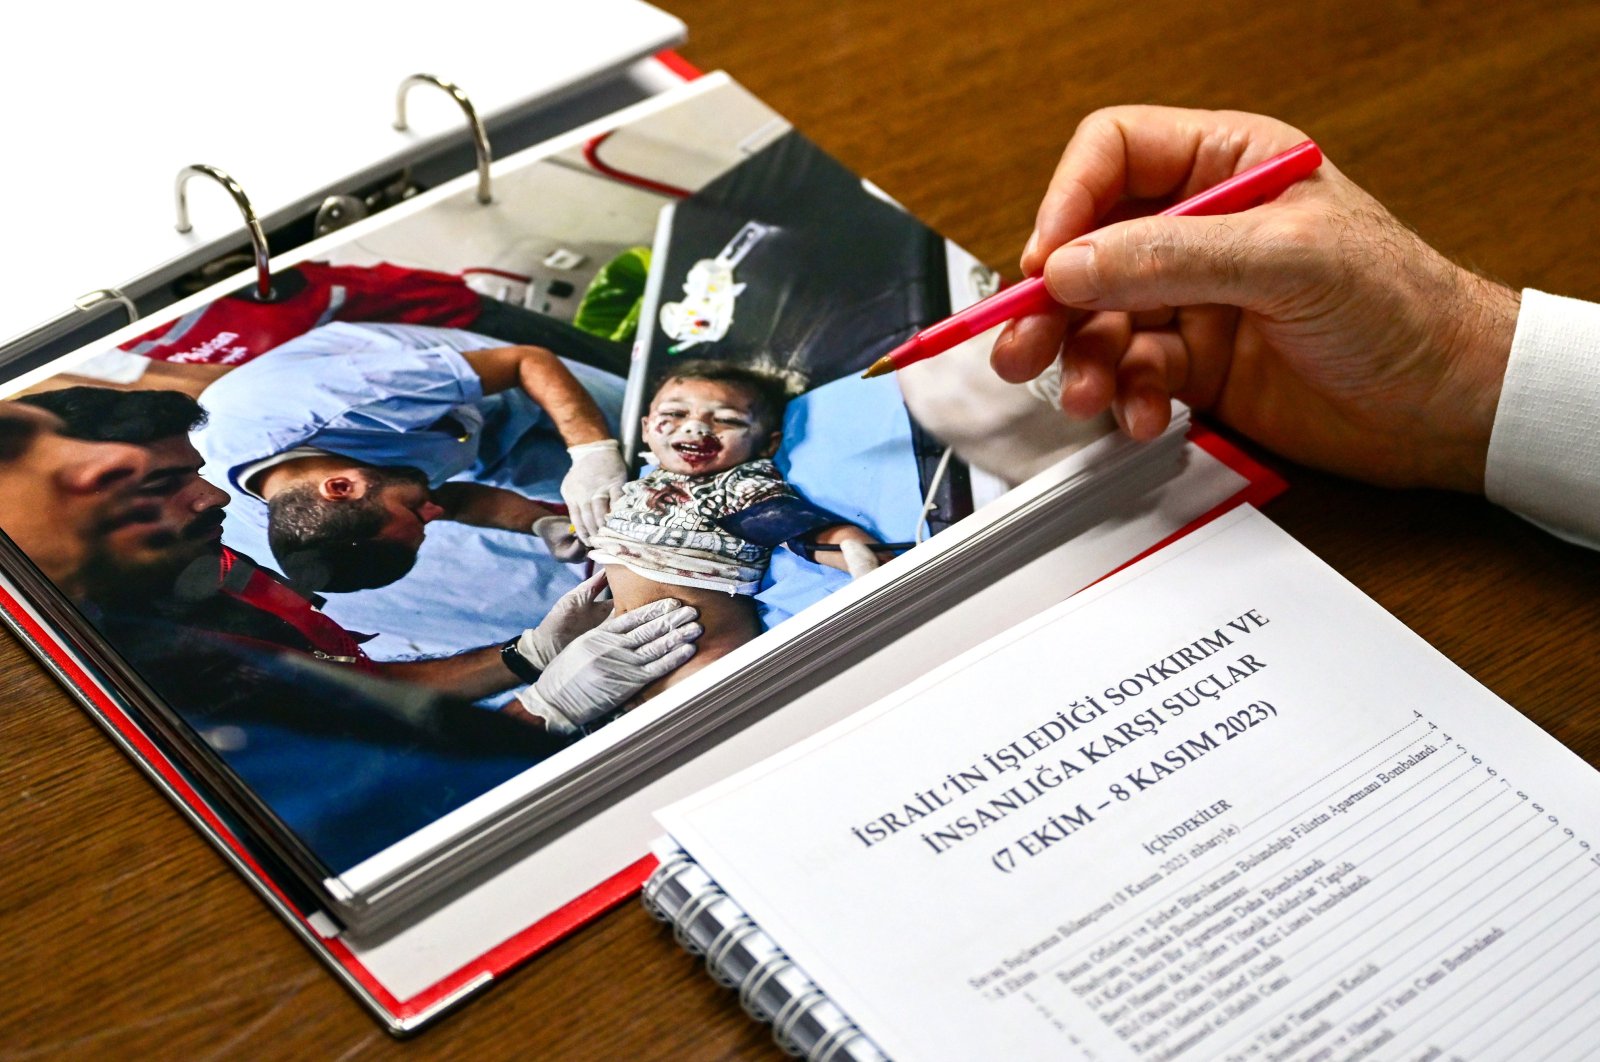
(1144, 152)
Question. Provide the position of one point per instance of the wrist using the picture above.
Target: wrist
(594, 445)
(555, 720)
(1477, 344)
(520, 658)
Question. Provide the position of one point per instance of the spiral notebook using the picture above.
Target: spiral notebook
(1220, 805)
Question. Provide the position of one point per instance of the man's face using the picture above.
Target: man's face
(184, 525)
(61, 499)
(406, 502)
(699, 427)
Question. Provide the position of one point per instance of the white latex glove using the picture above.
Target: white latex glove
(600, 671)
(560, 538)
(594, 482)
(577, 612)
(858, 558)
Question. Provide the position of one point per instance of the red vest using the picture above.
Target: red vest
(265, 591)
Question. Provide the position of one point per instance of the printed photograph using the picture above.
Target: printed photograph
(478, 480)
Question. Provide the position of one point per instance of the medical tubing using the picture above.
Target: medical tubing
(933, 487)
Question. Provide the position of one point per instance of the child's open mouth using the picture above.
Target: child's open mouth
(698, 451)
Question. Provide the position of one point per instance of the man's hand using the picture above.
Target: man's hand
(577, 612)
(560, 537)
(602, 670)
(594, 482)
(1316, 324)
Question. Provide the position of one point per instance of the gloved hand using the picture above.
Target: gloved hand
(594, 482)
(600, 671)
(577, 612)
(560, 538)
(858, 558)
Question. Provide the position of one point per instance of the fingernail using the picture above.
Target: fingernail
(1070, 373)
(1136, 413)
(1143, 415)
(1031, 246)
(1070, 275)
(684, 615)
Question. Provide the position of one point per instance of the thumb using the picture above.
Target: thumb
(586, 592)
(1155, 262)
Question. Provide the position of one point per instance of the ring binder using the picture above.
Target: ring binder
(101, 296)
(258, 238)
(480, 137)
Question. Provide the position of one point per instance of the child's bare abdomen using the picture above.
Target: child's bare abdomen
(729, 619)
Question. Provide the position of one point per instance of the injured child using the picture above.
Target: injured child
(702, 526)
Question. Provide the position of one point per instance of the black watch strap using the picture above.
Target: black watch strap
(518, 664)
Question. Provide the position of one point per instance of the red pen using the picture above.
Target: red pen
(1239, 192)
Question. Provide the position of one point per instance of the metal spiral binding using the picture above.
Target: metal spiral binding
(664, 875)
(836, 1036)
(750, 991)
(789, 1015)
(727, 938)
(692, 909)
(836, 1040)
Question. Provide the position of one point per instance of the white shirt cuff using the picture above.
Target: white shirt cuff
(1544, 451)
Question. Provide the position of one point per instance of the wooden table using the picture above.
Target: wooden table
(1474, 122)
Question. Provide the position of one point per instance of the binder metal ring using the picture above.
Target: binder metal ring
(789, 1015)
(750, 991)
(258, 239)
(837, 1039)
(102, 296)
(665, 874)
(691, 910)
(480, 137)
(727, 938)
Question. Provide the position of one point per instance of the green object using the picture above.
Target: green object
(610, 307)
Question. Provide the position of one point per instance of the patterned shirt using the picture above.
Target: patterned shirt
(665, 525)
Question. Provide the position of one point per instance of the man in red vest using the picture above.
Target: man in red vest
(580, 663)
(348, 762)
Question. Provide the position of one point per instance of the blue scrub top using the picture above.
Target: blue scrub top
(394, 394)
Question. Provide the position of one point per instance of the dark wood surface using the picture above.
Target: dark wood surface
(125, 935)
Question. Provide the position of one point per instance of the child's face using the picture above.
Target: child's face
(698, 427)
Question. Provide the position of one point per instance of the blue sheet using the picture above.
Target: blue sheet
(846, 447)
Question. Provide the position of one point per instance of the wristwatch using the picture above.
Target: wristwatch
(518, 664)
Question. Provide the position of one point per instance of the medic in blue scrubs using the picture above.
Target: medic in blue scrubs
(452, 404)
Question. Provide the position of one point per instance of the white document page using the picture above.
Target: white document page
(1220, 806)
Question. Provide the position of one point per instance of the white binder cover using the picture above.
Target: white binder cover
(292, 101)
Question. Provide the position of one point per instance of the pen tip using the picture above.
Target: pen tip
(883, 365)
